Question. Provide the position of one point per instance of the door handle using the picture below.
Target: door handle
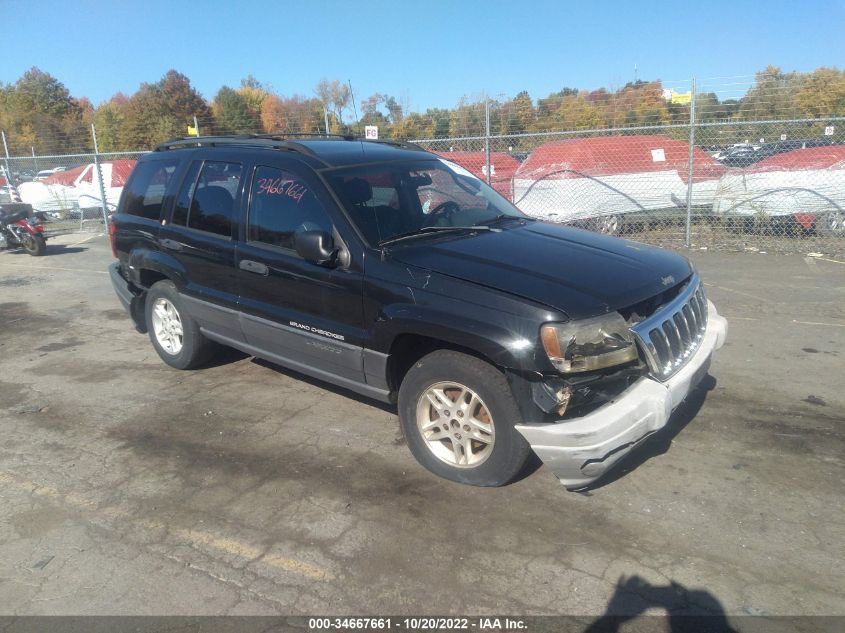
(254, 267)
(173, 245)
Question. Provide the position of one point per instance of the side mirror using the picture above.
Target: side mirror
(315, 246)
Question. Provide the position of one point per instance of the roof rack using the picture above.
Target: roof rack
(397, 143)
(285, 142)
(272, 141)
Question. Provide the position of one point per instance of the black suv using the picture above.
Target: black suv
(393, 273)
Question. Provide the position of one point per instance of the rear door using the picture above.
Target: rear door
(201, 234)
(300, 314)
(139, 216)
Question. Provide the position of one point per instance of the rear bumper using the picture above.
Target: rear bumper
(133, 302)
(580, 450)
(121, 287)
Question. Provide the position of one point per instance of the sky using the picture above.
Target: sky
(426, 53)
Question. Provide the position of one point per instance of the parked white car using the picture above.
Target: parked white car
(804, 186)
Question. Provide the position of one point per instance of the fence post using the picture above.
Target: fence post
(487, 136)
(99, 169)
(690, 166)
(8, 170)
(34, 159)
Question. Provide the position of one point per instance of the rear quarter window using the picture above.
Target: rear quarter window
(147, 185)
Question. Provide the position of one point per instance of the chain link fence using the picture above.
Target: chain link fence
(68, 192)
(723, 164)
(743, 192)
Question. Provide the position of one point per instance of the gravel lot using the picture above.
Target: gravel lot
(242, 488)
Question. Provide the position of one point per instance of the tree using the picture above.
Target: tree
(771, 97)
(335, 97)
(524, 113)
(232, 114)
(161, 111)
(292, 115)
(108, 119)
(576, 113)
(253, 92)
(38, 111)
(822, 94)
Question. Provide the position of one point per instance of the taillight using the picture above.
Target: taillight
(112, 240)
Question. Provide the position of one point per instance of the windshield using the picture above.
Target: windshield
(392, 199)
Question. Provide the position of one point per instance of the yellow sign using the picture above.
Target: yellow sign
(681, 97)
(192, 131)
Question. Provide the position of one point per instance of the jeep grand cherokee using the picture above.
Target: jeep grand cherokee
(393, 273)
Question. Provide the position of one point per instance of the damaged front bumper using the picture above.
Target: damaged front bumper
(580, 450)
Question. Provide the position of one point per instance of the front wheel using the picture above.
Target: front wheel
(831, 223)
(35, 245)
(608, 225)
(458, 415)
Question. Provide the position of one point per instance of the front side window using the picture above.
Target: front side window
(392, 199)
(145, 191)
(282, 205)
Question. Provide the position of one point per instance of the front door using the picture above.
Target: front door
(300, 314)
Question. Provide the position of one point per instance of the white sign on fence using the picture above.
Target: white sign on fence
(371, 132)
(828, 131)
(658, 155)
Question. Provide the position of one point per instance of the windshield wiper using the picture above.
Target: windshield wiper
(427, 230)
(505, 216)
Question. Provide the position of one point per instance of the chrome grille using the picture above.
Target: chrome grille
(671, 335)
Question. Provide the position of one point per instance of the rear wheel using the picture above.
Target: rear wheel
(608, 224)
(174, 334)
(35, 245)
(458, 415)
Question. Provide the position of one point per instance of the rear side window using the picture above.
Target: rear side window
(206, 200)
(186, 194)
(282, 205)
(145, 190)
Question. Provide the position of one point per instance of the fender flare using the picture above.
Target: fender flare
(167, 265)
(512, 348)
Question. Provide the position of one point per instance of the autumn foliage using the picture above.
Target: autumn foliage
(39, 114)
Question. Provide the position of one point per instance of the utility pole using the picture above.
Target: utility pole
(6, 149)
(487, 136)
(99, 169)
(690, 165)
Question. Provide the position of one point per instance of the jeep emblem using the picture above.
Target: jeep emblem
(668, 280)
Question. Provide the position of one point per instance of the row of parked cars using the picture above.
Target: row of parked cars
(604, 183)
(610, 183)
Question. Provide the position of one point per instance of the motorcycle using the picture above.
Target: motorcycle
(21, 228)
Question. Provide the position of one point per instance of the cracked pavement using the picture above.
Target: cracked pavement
(128, 487)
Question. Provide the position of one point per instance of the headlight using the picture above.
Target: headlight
(589, 344)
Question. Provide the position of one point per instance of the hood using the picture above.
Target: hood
(577, 272)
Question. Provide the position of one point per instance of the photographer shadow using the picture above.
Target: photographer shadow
(688, 610)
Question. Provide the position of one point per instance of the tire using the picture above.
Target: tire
(185, 351)
(487, 404)
(608, 224)
(35, 245)
(831, 224)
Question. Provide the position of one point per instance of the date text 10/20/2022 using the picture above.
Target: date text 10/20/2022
(416, 624)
